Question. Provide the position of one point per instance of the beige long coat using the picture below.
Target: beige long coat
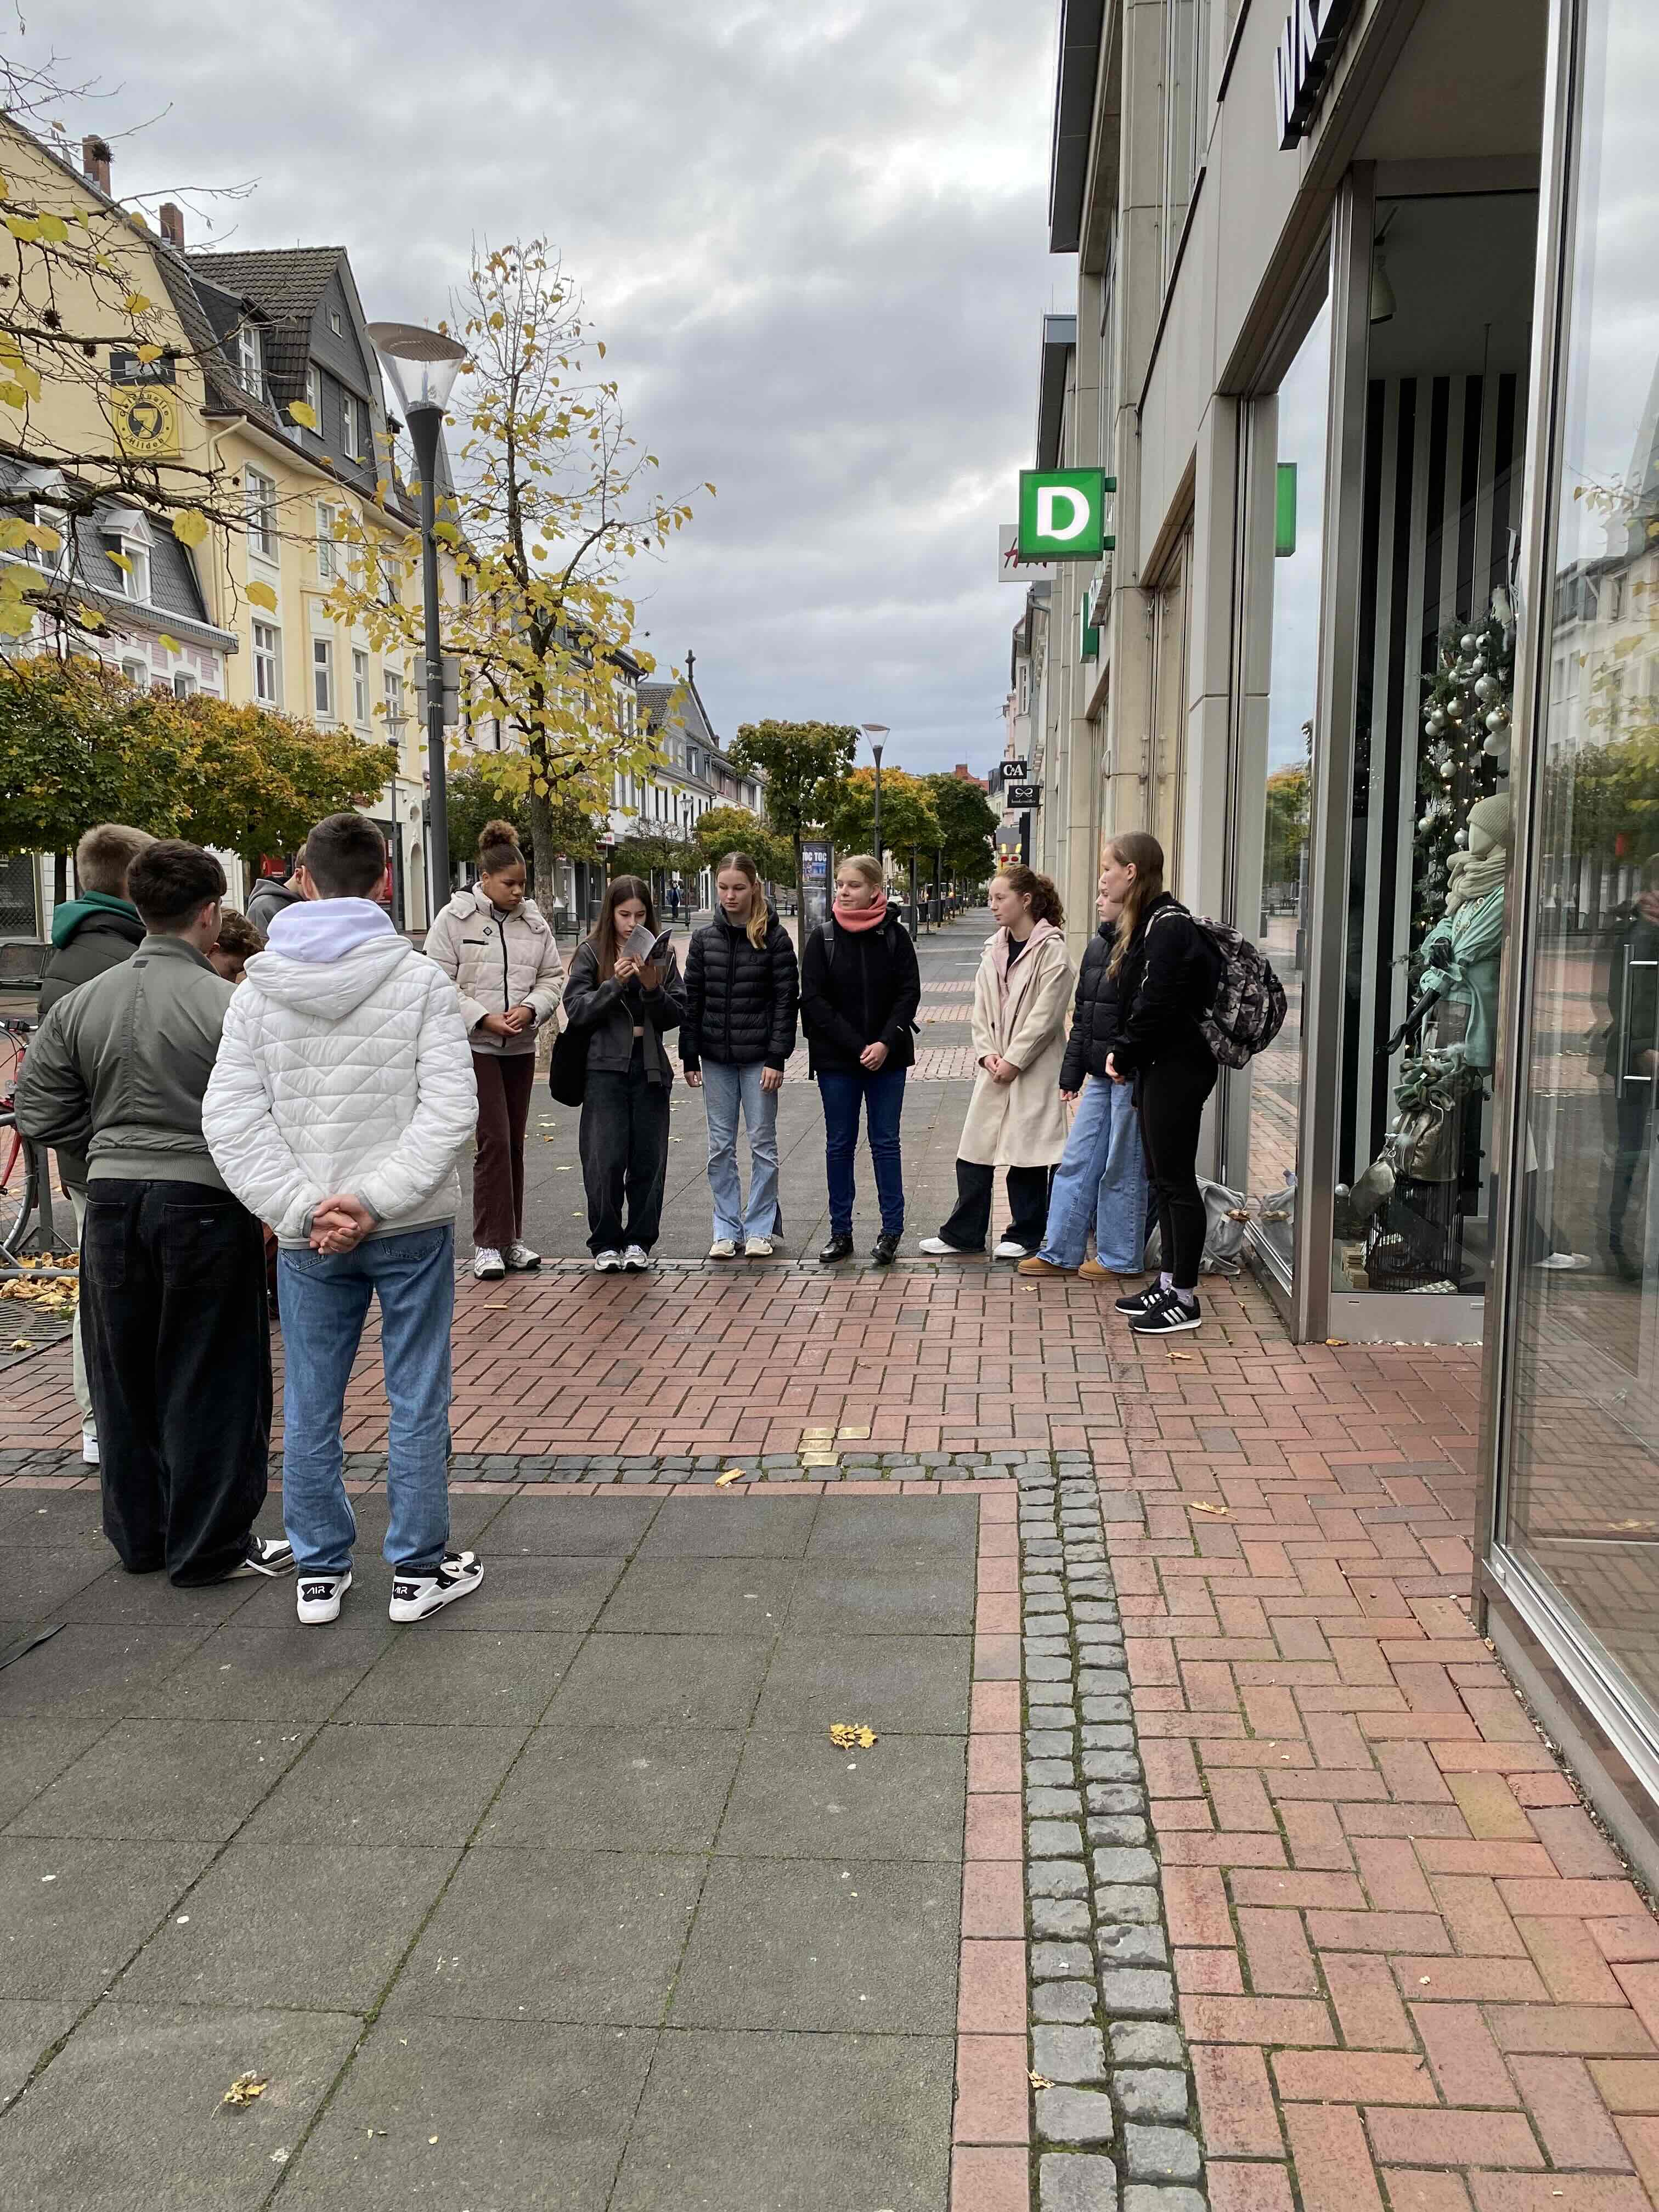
(1024, 1018)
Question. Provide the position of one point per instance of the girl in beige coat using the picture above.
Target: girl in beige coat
(1015, 1119)
(496, 947)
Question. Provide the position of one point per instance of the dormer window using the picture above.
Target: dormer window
(334, 323)
(250, 358)
(125, 541)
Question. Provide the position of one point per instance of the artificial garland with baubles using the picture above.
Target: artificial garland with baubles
(1465, 755)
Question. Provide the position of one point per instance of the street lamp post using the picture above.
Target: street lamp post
(875, 731)
(421, 366)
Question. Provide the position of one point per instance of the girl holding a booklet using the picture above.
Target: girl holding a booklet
(625, 989)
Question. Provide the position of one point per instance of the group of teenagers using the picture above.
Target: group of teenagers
(1089, 1086)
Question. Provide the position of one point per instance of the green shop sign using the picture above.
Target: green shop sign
(1062, 514)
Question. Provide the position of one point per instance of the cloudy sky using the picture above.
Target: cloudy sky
(813, 238)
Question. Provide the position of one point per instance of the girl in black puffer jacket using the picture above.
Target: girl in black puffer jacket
(742, 987)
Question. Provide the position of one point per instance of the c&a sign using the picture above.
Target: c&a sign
(1313, 31)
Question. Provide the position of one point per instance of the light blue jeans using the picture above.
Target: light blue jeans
(727, 1090)
(1102, 1178)
(324, 1298)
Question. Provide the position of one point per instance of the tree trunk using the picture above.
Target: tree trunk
(543, 850)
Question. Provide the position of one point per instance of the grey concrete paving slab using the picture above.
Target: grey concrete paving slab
(589, 1789)
(34, 1753)
(573, 1528)
(73, 1912)
(382, 1782)
(116, 1599)
(165, 1781)
(910, 1685)
(137, 2095)
(791, 2122)
(277, 1672)
(861, 1945)
(42, 1578)
(706, 1529)
(889, 1527)
(736, 1597)
(712, 1681)
(904, 1593)
(525, 2115)
(526, 1593)
(88, 1673)
(27, 2031)
(42, 1519)
(799, 1796)
(491, 1679)
(318, 1925)
(579, 1936)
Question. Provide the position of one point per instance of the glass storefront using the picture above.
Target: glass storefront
(1577, 1414)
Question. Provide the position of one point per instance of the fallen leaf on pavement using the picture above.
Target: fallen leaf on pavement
(731, 1474)
(1040, 2080)
(245, 2088)
(1187, 1356)
(1337, 1343)
(1203, 1505)
(852, 1736)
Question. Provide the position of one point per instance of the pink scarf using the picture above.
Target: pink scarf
(859, 919)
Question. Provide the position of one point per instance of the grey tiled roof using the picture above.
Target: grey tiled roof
(285, 284)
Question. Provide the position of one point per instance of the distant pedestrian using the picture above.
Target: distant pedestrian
(99, 928)
(1101, 1177)
(1167, 971)
(627, 1007)
(172, 1282)
(235, 945)
(271, 894)
(496, 947)
(674, 901)
(742, 990)
(1016, 1118)
(343, 1095)
(860, 987)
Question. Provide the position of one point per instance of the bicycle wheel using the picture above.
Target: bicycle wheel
(20, 1188)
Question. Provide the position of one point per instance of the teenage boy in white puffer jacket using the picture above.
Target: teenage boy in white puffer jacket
(342, 1092)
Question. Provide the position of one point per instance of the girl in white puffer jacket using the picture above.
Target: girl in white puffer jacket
(498, 949)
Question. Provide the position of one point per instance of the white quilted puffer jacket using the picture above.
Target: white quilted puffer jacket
(343, 1067)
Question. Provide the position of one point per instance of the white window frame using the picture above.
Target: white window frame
(362, 706)
(328, 550)
(184, 685)
(250, 358)
(267, 663)
(314, 392)
(136, 671)
(396, 697)
(335, 322)
(349, 425)
(322, 678)
(259, 507)
(132, 584)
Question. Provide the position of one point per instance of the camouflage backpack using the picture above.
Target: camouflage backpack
(1248, 1009)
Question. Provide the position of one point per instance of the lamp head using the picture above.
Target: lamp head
(421, 365)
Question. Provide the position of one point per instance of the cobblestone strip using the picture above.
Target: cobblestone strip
(1113, 2093)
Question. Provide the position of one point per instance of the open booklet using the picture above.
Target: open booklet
(644, 947)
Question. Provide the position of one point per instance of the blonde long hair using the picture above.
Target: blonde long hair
(760, 919)
(1139, 850)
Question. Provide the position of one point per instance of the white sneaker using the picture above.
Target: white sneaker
(317, 1597)
(636, 1259)
(488, 1264)
(759, 1247)
(1009, 1250)
(414, 1596)
(88, 1446)
(606, 1263)
(520, 1259)
(723, 1248)
(937, 1249)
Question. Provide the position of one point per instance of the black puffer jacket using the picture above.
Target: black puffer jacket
(740, 999)
(613, 1010)
(867, 995)
(1095, 1021)
(1170, 977)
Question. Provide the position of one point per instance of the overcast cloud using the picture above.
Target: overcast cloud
(814, 236)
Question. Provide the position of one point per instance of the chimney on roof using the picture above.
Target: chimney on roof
(171, 219)
(94, 162)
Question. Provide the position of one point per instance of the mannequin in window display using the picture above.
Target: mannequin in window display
(1461, 952)
(1632, 1058)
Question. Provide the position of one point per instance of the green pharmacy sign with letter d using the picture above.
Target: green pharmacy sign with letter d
(1062, 514)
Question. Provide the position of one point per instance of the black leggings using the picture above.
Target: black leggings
(1169, 1098)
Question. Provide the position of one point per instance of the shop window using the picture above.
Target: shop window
(1429, 815)
(1579, 1510)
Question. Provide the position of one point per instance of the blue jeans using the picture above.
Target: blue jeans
(882, 1095)
(324, 1298)
(727, 1090)
(1103, 1178)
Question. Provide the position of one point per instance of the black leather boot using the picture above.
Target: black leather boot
(838, 1248)
(885, 1250)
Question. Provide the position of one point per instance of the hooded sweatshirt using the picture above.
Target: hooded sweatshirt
(344, 1067)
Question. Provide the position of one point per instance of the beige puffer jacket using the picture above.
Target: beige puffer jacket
(496, 964)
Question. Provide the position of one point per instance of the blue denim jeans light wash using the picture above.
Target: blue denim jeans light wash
(726, 1091)
(1102, 1178)
(323, 1299)
(882, 1096)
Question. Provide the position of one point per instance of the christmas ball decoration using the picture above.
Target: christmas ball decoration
(1499, 718)
(1461, 840)
(1464, 751)
(1487, 689)
(1436, 723)
(1469, 641)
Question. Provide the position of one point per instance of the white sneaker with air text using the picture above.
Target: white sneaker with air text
(317, 1597)
(414, 1596)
